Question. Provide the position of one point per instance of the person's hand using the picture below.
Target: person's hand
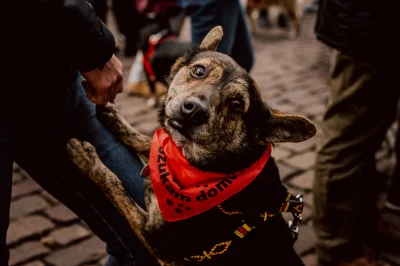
(102, 86)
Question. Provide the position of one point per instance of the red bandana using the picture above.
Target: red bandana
(184, 191)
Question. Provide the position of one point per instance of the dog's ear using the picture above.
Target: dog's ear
(210, 42)
(287, 128)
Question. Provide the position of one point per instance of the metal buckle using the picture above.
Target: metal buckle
(294, 225)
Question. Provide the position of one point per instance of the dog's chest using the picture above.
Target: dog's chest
(215, 228)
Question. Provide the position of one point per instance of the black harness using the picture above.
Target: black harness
(292, 204)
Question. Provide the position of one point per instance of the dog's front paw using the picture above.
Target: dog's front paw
(109, 115)
(82, 154)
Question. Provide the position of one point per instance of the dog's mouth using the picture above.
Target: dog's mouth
(177, 126)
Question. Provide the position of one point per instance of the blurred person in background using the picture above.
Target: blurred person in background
(206, 14)
(361, 107)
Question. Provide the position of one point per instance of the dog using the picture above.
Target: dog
(161, 48)
(293, 10)
(214, 195)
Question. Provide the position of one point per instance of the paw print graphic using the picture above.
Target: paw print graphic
(170, 202)
(182, 208)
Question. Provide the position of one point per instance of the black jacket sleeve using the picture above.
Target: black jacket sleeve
(91, 41)
(351, 27)
(66, 29)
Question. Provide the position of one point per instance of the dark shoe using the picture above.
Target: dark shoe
(283, 21)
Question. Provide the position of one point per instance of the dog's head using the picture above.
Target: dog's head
(214, 110)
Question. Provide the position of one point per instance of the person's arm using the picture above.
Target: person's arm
(88, 42)
(93, 47)
(102, 86)
(91, 41)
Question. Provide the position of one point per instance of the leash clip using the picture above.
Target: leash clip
(294, 225)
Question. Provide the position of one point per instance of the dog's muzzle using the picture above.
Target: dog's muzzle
(193, 111)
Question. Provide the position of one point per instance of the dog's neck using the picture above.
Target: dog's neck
(224, 163)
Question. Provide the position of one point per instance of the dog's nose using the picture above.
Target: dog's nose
(194, 110)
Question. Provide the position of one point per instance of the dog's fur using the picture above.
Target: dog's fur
(293, 10)
(231, 134)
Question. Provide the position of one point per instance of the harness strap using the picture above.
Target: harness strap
(154, 40)
(292, 204)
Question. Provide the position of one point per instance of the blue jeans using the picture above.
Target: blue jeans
(206, 14)
(45, 159)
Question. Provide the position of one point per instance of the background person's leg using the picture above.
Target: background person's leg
(206, 14)
(6, 168)
(359, 112)
(50, 166)
(242, 50)
(122, 160)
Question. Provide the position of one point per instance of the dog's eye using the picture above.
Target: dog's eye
(237, 105)
(198, 71)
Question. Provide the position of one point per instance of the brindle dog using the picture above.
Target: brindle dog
(216, 115)
(293, 10)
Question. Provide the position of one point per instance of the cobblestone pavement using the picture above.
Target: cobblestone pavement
(292, 74)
